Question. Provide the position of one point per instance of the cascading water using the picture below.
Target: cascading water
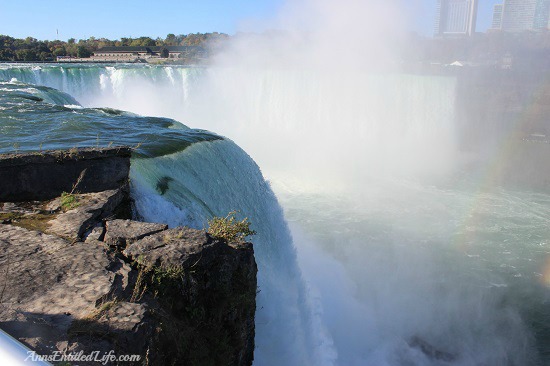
(207, 176)
(414, 261)
(210, 179)
(407, 260)
(147, 90)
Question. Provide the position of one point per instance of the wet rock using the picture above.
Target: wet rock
(430, 351)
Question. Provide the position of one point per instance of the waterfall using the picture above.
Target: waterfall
(214, 178)
(382, 252)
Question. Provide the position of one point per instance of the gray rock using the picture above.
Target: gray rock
(45, 175)
(172, 247)
(96, 234)
(49, 283)
(120, 233)
(431, 351)
(202, 283)
(174, 297)
(130, 325)
(93, 207)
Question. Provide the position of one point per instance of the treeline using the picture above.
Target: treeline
(31, 49)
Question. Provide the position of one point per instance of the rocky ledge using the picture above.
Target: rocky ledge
(77, 274)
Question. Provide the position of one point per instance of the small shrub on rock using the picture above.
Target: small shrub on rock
(229, 228)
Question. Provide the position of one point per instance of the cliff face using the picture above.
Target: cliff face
(44, 175)
(77, 275)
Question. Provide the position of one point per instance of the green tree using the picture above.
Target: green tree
(7, 55)
(143, 42)
(26, 55)
(171, 40)
(83, 52)
(61, 51)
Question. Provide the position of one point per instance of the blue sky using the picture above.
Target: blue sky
(114, 19)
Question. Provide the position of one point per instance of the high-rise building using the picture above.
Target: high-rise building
(455, 18)
(518, 15)
(497, 16)
(521, 15)
(542, 14)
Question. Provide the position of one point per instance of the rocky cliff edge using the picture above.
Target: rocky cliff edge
(78, 275)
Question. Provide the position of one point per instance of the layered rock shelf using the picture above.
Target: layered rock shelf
(78, 274)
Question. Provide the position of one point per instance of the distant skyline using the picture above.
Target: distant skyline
(113, 19)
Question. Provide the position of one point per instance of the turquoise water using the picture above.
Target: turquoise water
(34, 118)
(370, 236)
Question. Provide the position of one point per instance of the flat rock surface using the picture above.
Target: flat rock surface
(170, 247)
(122, 232)
(48, 282)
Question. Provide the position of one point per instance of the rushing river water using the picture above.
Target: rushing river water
(374, 246)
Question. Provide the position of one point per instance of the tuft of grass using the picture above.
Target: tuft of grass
(98, 312)
(73, 152)
(69, 201)
(141, 285)
(90, 324)
(229, 228)
(174, 235)
(157, 280)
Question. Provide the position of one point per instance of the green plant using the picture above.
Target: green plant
(157, 280)
(141, 281)
(229, 228)
(164, 279)
(69, 201)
